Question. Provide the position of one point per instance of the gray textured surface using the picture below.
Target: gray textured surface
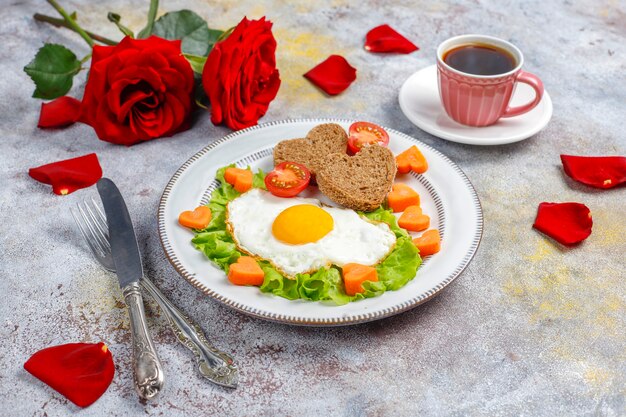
(530, 328)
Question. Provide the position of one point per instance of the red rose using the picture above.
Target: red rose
(240, 76)
(138, 90)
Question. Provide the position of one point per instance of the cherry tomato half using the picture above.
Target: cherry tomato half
(365, 134)
(287, 179)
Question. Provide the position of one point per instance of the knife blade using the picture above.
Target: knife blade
(147, 369)
(122, 237)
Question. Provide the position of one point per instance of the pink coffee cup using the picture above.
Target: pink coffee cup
(481, 100)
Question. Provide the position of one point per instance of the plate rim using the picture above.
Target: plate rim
(284, 319)
(466, 140)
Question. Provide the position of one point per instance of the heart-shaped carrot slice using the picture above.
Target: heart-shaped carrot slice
(197, 219)
(411, 160)
(413, 219)
(239, 178)
(246, 271)
(401, 197)
(354, 275)
(428, 243)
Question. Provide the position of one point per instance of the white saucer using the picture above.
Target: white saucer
(420, 103)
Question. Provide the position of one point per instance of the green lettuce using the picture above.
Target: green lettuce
(326, 284)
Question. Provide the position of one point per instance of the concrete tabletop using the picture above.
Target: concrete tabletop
(530, 328)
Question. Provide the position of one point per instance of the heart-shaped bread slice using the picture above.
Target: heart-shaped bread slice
(360, 182)
(311, 151)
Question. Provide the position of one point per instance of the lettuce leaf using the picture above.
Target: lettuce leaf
(218, 246)
(325, 284)
(400, 265)
(386, 216)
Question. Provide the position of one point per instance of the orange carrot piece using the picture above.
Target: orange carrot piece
(429, 243)
(411, 160)
(197, 219)
(246, 271)
(354, 275)
(413, 219)
(244, 181)
(401, 197)
(239, 178)
(231, 174)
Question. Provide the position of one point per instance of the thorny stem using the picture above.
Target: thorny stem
(85, 58)
(61, 23)
(154, 5)
(71, 22)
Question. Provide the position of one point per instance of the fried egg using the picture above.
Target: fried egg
(299, 235)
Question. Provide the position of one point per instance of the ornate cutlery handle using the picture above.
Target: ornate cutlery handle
(148, 373)
(213, 364)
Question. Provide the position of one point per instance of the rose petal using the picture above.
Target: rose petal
(99, 52)
(58, 113)
(81, 372)
(596, 171)
(69, 175)
(332, 75)
(106, 126)
(385, 39)
(567, 223)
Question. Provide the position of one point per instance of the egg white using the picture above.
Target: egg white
(353, 239)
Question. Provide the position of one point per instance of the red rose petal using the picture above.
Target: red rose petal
(567, 223)
(58, 113)
(69, 175)
(81, 372)
(332, 75)
(596, 171)
(384, 38)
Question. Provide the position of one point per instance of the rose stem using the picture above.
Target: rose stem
(73, 25)
(61, 23)
(154, 5)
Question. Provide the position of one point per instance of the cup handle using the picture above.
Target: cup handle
(536, 84)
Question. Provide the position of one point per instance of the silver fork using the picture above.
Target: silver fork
(213, 364)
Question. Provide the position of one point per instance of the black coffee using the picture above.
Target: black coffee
(480, 59)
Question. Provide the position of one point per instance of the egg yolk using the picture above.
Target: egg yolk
(300, 224)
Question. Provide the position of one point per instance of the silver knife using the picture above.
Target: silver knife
(148, 372)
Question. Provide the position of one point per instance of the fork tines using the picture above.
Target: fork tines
(93, 226)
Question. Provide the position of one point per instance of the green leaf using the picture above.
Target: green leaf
(382, 215)
(258, 180)
(198, 92)
(52, 71)
(225, 34)
(400, 266)
(152, 12)
(197, 38)
(196, 62)
(216, 35)
(116, 18)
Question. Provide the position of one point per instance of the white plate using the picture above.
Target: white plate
(420, 103)
(446, 195)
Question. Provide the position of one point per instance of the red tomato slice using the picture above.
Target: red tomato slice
(287, 179)
(365, 134)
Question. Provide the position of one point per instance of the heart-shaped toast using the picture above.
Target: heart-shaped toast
(311, 151)
(360, 182)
